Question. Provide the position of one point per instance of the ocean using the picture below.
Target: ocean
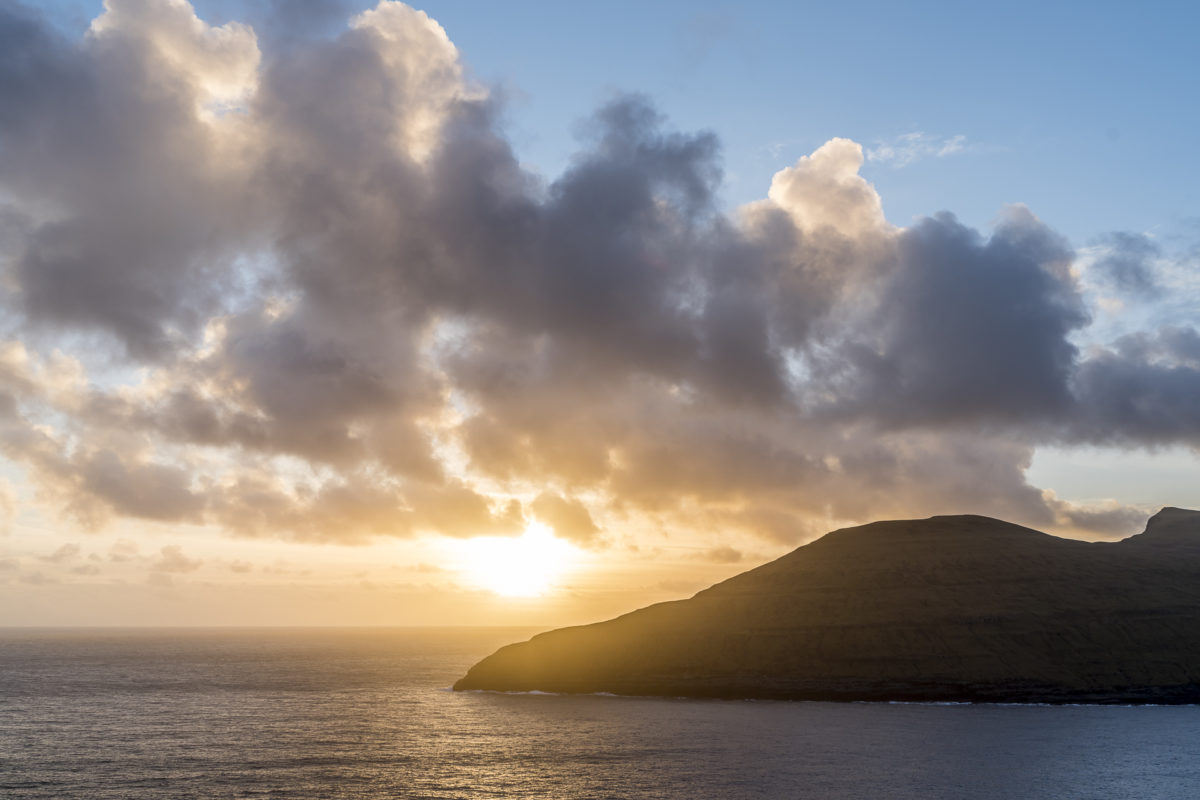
(367, 713)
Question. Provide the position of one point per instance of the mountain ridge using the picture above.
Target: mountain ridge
(953, 607)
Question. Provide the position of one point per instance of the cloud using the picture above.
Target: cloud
(91, 132)
(140, 490)
(8, 505)
(1127, 262)
(1109, 519)
(568, 517)
(123, 550)
(220, 62)
(824, 190)
(68, 552)
(916, 146)
(172, 559)
(232, 305)
(723, 554)
(966, 329)
(1140, 390)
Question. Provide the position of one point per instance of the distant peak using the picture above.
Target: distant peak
(1171, 525)
(1168, 513)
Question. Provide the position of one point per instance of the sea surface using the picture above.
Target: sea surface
(356, 713)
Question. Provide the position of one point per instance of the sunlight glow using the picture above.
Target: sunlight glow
(526, 566)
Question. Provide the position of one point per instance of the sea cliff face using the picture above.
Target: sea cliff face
(948, 608)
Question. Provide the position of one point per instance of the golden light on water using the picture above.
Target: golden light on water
(525, 566)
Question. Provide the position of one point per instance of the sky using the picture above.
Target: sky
(316, 313)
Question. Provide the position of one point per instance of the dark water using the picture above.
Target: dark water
(365, 714)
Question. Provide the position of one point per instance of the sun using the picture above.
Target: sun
(525, 566)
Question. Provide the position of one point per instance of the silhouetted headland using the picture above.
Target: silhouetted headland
(953, 608)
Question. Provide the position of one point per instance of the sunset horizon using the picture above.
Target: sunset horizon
(678, 400)
(349, 314)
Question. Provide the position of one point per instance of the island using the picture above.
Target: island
(952, 609)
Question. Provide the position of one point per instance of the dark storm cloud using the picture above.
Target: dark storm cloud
(605, 259)
(355, 310)
(969, 329)
(1143, 390)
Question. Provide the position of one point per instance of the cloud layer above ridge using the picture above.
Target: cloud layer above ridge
(349, 312)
